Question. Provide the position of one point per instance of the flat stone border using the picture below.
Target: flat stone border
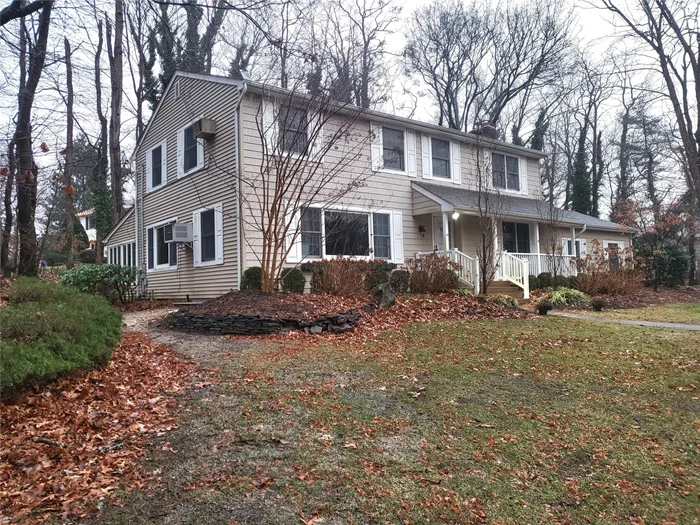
(241, 324)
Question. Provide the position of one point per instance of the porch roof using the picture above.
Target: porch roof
(465, 200)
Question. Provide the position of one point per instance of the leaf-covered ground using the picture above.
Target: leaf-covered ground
(67, 449)
(668, 313)
(543, 420)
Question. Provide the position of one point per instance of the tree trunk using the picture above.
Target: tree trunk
(99, 183)
(68, 167)
(116, 76)
(7, 201)
(26, 167)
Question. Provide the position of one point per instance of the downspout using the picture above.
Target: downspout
(240, 185)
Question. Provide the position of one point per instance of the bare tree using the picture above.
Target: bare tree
(68, 188)
(308, 146)
(115, 53)
(100, 197)
(31, 69)
(670, 30)
(20, 9)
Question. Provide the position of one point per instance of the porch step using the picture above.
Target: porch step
(507, 288)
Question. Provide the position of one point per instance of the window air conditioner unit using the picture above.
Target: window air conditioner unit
(204, 128)
(179, 232)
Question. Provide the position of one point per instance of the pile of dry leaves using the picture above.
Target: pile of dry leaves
(648, 297)
(74, 443)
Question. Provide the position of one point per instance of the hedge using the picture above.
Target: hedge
(116, 283)
(50, 330)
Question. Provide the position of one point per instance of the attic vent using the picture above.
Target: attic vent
(204, 128)
(177, 88)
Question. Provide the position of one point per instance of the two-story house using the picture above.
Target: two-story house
(422, 193)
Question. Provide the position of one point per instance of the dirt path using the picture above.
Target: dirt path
(657, 324)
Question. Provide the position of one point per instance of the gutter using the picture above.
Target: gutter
(239, 270)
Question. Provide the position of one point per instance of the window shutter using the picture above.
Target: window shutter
(376, 146)
(150, 248)
(270, 127)
(293, 237)
(200, 153)
(219, 229)
(411, 150)
(164, 163)
(196, 244)
(180, 152)
(149, 170)
(455, 157)
(522, 166)
(427, 164)
(316, 130)
(397, 236)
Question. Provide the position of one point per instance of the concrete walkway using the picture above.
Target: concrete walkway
(657, 324)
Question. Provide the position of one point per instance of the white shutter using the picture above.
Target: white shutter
(164, 163)
(456, 167)
(427, 164)
(293, 237)
(376, 146)
(397, 236)
(200, 153)
(180, 153)
(270, 127)
(316, 129)
(522, 167)
(196, 244)
(149, 170)
(411, 148)
(219, 229)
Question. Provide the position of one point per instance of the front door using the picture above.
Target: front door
(439, 234)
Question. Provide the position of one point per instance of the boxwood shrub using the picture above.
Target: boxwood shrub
(49, 330)
(251, 278)
(114, 282)
(293, 280)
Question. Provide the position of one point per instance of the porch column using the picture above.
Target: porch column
(446, 230)
(537, 242)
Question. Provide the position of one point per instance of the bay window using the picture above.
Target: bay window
(123, 254)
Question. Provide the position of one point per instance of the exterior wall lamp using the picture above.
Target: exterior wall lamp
(455, 216)
(421, 230)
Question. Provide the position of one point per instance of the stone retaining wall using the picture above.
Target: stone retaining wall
(241, 324)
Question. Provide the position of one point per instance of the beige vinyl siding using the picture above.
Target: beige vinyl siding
(214, 184)
(423, 204)
(591, 235)
(125, 232)
(382, 190)
(534, 183)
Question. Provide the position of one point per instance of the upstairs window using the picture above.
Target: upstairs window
(394, 153)
(190, 152)
(156, 167)
(441, 158)
(294, 130)
(506, 171)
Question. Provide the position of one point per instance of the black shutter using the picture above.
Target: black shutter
(150, 248)
(173, 254)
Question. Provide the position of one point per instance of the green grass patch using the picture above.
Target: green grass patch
(667, 313)
(48, 330)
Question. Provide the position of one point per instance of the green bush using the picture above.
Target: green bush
(375, 277)
(293, 280)
(545, 279)
(87, 256)
(534, 282)
(559, 281)
(400, 280)
(49, 330)
(598, 303)
(116, 283)
(505, 300)
(566, 297)
(251, 278)
(572, 282)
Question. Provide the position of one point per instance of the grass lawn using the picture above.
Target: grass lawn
(502, 421)
(669, 313)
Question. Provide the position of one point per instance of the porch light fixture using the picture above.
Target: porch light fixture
(455, 216)
(421, 230)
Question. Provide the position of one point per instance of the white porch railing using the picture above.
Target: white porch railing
(468, 267)
(541, 262)
(516, 270)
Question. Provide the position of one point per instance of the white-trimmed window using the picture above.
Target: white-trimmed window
(516, 237)
(208, 236)
(123, 254)
(294, 130)
(190, 151)
(156, 167)
(506, 172)
(441, 159)
(161, 255)
(613, 249)
(580, 247)
(394, 149)
(359, 234)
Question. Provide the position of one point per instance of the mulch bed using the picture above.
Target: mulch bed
(304, 307)
(648, 297)
(80, 439)
(141, 305)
